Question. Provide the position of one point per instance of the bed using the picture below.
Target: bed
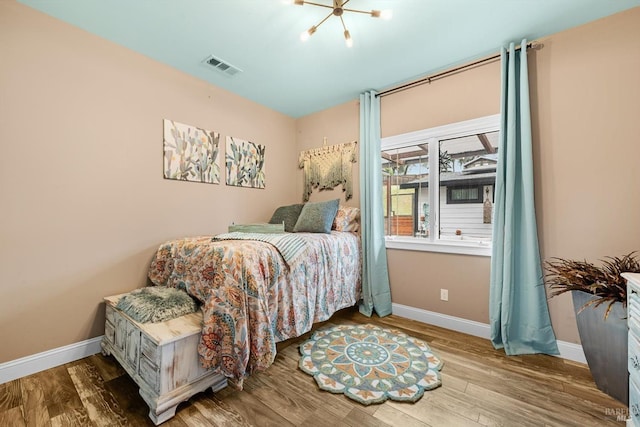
(252, 297)
(255, 290)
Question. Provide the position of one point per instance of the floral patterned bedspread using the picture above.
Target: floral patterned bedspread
(252, 299)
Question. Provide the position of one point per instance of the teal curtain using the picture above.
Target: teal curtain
(376, 294)
(518, 309)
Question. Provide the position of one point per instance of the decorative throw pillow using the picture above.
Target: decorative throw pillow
(288, 214)
(317, 217)
(347, 219)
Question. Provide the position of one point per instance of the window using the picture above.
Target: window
(464, 194)
(451, 209)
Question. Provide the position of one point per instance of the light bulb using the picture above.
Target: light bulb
(386, 14)
(347, 38)
(305, 36)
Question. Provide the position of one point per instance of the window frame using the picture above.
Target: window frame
(433, 136)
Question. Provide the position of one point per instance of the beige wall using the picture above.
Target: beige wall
(337, 125)
(83, 201)
(463, 96)
(585, 97)
(586, 105)
(417, 277)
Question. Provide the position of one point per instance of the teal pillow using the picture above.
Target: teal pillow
(317, 217)
(287, 214)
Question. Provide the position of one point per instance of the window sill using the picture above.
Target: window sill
(450, 247)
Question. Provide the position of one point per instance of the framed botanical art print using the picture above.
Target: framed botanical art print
(191, 153)
(245, 163)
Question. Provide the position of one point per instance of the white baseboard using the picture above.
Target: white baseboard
(59, 356)
(568, 350)
(48, 359)
(571, 351)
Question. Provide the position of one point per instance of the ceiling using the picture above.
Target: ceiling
(262, 38)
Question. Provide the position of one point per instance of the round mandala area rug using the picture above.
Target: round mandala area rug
(370, 364)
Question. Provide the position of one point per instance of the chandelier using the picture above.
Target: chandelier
(338, 9)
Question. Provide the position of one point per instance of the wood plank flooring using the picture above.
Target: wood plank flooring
(481, 387)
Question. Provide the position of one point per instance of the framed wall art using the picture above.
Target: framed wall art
(245, 163)
(191, 153)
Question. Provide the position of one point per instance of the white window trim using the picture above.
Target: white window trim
(450, 131)
(444, 246)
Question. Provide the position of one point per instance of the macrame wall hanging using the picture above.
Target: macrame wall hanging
(328, 167)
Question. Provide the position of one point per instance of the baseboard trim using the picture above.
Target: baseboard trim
(59, 356)
(569, 351)
(48, 359)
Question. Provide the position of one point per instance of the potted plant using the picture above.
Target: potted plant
(599, 296)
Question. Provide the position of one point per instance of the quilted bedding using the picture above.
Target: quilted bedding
(251, 298)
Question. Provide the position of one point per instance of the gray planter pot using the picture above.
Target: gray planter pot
(605, 345)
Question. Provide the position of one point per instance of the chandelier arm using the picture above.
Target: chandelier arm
(357, 11)
(327, 6)
(343, 26)
(323, 21)
(318, 4)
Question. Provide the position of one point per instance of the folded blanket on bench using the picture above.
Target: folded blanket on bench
(156, 304)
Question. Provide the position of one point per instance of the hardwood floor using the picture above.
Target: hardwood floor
(480, 387)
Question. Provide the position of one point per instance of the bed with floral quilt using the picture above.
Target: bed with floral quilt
(252, 297)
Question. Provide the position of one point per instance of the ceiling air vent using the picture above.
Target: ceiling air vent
(221, 66)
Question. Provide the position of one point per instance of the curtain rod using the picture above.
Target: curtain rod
(442, 74)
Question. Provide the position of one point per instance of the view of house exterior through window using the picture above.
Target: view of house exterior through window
(462, 206)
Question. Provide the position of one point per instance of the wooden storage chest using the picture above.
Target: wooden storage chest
(162, 358)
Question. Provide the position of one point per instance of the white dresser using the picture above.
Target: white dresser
(633, 321)
(162, 358)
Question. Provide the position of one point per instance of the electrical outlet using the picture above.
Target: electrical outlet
(444, 294)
